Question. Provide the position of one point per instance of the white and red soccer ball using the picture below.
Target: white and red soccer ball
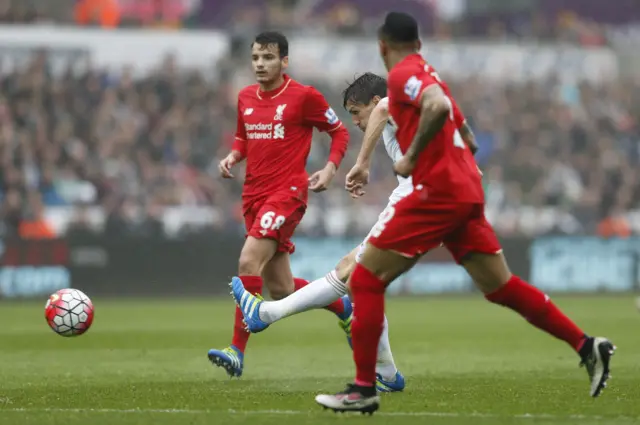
(69, 312)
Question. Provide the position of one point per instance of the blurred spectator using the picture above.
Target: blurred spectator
(157, 13)
(103, 13)
(615, 224)
(12, 12)
(33, 224)
(571, 21)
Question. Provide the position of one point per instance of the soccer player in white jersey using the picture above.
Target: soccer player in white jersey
(365, 100)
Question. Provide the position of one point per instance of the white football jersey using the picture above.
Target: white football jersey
(405, 185)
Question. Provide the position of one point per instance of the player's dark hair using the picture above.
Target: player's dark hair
(364, 89)
(273, 37)
(399, 28)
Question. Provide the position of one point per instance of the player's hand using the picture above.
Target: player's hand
(224, 166)
(320, 180)
(357, 178)
(404, 166)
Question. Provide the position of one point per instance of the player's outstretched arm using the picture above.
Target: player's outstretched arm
(377, 121)
(358, 176)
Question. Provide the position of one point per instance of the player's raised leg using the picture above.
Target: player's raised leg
(318, 294)
(259, 314)
(278, 271)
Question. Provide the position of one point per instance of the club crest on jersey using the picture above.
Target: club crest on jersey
(279, 112)
(412, 87)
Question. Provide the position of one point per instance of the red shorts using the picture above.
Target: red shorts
(275, 217)
(416, 225)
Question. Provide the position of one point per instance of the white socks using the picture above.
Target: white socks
(385, 365)
(318, 294)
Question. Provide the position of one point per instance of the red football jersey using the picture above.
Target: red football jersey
(446, 167)
(274, 134)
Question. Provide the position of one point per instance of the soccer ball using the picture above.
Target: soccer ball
(69, 312)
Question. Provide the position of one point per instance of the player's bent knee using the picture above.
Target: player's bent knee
(277, 277)
(279, 289)
(345, 267)
(249, 265)
(489, 272)
(386, 265)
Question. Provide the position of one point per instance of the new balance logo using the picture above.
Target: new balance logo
(248, 111)
(279, 111)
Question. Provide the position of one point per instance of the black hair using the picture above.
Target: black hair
(273, 37)
(399, 28)
(364, 89)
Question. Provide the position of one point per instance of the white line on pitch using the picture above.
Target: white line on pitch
(312, 412)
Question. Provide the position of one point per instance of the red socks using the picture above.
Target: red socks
(368, 299)
(253, 284)
(536, 307)
(336, 307)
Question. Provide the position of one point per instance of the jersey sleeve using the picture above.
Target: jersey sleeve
(240, 142)
(407, 87)
(317, 112)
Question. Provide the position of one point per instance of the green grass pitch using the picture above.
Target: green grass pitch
(466, 362)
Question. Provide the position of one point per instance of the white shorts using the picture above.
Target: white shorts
(381, 219)
(403, 189)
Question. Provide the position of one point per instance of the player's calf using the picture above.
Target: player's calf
(377, 268)
(277, 276)
(491, 274)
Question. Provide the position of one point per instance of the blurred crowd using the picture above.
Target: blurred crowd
(96, 152)
(443, 19)
(99, 151)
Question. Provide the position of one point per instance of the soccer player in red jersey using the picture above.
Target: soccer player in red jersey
(446, 207)
(276, 118)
